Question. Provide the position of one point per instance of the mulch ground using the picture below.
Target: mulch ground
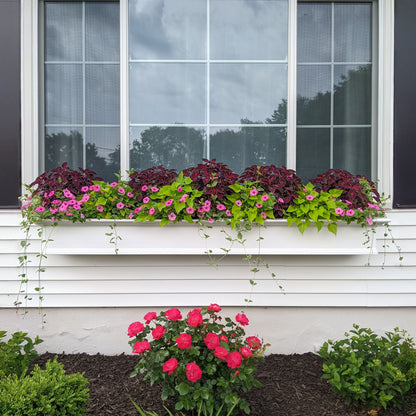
(291, 386)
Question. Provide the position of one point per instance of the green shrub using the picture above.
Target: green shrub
(370, 370)
(17, 353)
(45, 393)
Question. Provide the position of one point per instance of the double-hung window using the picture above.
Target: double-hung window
(139, 83)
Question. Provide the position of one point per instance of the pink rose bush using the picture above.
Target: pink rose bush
(199, 357)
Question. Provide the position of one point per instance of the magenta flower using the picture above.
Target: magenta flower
(183, 198)
(172, 216)
(281, 200)
(310, 197)
(339, 211)
(137, 210)
(228, 213)
(85, 189)
(264, 215)
(350, 212)
(169, 202)
(96, 188)
(369, 220)
(238, 203)
(180, 189)
(144, 188)
(85, 198)
(120, 205)
(258, 205)
(121, 190)
(130, 195)
(254, 192)
(151, 211)
(206, 208)
(210, 220)
(154, 189)
(190, 210)
(221, 207)
(53, 210)
(131, 215)
(113, 184)
(264, 197)
(40, 209)
(52, 193)
(146, 200)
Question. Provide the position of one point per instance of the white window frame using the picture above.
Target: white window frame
(383, 84)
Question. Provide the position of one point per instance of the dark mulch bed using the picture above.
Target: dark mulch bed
(291, 386)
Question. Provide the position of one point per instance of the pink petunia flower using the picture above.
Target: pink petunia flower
(172, 216)
(180, 189)
(146, 200)
(221, 207)
(190, 210)
(350, 212)
(281, 200)
(264, 215)
(154, 189)
(151, 211)
(120, 205)
(228, 213)
(144, 188)
(339, 211)
(206, 208)
(310, 197)
(130, 195)
(210, 220)
(238, 203)
(121, 190)
(40, 209)
(264, 197)
(254, 192)
(96, 188)
(138, 209)
(258, 205)
(85, 189)
(369, 220)
(169, 202)
(113, 184)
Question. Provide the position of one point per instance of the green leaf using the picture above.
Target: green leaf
(183, 389)
(332, 227)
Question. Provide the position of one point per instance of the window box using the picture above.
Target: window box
(188, 239)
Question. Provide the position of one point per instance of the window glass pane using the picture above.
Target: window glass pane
(352, 150)
(175, 147)
(102, 98)
(167, 29)
(314, 94)
(244, 93)
(63, 94)
(312, 152)
(242, 29)
(64, 144)
(246, 146)
(314, 32)
(63, 31)
(102, 31)
(352, 94)
(352, 32)
(167, 93)
(102, 151)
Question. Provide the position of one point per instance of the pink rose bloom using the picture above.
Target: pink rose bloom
(151, 211)
(146, 200)
(254, 192)
(144, 188)
(120, 205)
(258, 205)
(140, 347)
(121, 190)
(173, 314)
(172, 216)
(193, 372)
(254, 343)
(184, 341)
(241, 319)
(113, 184)
(158, 332)
(149, 317)
(310, 197)
(221, 353)
(170, 365)
(339, 211)
(195, 319)
(246, 352)
(234, 359)
(264, 197)
(190, 210)
(221, 207)
(350, 212)
(228, 213)
(238, 203)
(212, 341)
(134, 329)
(130, 195)
(180, 189)
(154, 189)
(214, 307)
(223, 338)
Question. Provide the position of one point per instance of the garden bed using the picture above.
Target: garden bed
(291, 386)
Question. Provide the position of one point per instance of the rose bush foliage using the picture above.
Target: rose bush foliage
(209, 192)
(200, 358)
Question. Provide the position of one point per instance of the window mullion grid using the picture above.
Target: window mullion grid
(331, 129)
(208, 92)
(84, 130)
(291, 86)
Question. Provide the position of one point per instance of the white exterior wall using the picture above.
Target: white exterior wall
(91, 299)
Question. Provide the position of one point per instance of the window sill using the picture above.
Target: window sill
(188, 239)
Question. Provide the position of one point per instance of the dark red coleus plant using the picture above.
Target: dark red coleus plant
(356, 189)
(212, 178)
(60, 178)
(283, 183)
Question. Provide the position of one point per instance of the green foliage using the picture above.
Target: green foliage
(370, 370)
(48, 392)
(17, 353)
(201, 361)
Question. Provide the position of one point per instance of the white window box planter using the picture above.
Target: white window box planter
(188, 239)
